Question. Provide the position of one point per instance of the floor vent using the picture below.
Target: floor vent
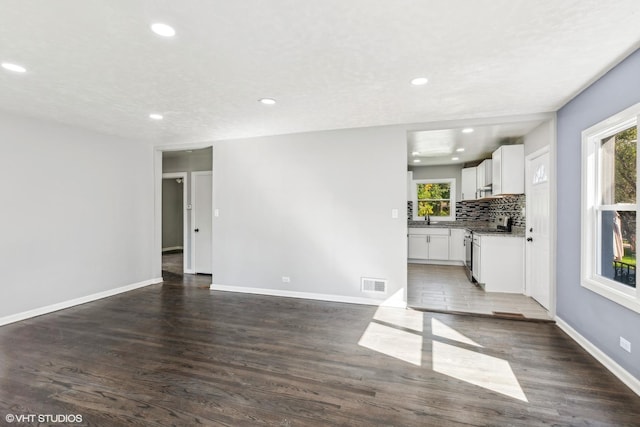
(374, 285)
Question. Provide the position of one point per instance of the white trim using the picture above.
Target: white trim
(623, 375)
(185, 225)
(434, 262)
(76, 301)
(552, 218)
(308, 295)
(590, 257)
(452, 197)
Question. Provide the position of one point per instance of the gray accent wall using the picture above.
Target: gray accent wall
(77, 216)
(314, 207)
(598, 319)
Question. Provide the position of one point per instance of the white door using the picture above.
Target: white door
(538, 227)
(201, 200)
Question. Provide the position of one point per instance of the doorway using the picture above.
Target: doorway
(183, 191)
(538, 230)
(174, 222)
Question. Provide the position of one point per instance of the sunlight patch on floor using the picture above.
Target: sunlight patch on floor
(409, 319)
(441, 330)
(396, 343)
(478, 369)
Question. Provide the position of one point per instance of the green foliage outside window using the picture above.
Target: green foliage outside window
(434, 199)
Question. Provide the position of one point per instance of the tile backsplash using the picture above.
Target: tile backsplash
(486, 210)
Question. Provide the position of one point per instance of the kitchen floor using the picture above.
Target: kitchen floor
(446, 288)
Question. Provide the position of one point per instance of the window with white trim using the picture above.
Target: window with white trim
(434, 198)
(610, 206)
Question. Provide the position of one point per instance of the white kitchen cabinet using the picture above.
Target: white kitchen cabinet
(483, 173)
(469, 184)
(429, 244)
(508, 170)
(498, 263)
(456, 245)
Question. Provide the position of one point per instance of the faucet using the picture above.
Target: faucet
(428, 218)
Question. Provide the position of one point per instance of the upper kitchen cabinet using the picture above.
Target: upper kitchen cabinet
(483, 178)
(508, 170)
(469, 184)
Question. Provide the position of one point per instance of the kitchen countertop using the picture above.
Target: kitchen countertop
(478, 227)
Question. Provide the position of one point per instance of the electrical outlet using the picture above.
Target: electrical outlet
(626, 345)
(394, 213)
(286, 279)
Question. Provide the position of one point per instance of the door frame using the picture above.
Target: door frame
(547, 149)
(193, 217)
(157, 197)
(185, 268)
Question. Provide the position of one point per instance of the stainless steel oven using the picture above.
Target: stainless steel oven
(468, 254)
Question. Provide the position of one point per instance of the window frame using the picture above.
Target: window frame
(591, 208)
(452, 198)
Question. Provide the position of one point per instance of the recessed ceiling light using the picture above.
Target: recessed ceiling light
(163, 30)
(416, 160)
(467, 130)
(455, 158)
(156, 116)
(267, 101)
(415, 153)
(460, 150)
(13, 67)
(419, 81)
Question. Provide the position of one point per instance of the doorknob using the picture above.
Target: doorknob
(529, 239)
(196, 230)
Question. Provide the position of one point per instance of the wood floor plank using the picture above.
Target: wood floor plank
(180, 354)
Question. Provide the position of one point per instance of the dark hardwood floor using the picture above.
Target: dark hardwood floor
(183, 355)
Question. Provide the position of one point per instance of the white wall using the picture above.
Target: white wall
(77, 213)
(540, 137)
(315, 207)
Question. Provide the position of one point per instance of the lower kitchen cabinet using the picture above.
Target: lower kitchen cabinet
(498, 263)
(429, 244)
(456, 245)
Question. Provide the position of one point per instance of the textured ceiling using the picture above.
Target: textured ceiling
(329, 63)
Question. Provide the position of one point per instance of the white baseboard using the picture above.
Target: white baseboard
(308, 295)
(430, 262)
(632, 382)
(77, 301)
(172, 248)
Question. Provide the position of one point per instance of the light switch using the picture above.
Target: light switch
(216, 212)
(394, 213)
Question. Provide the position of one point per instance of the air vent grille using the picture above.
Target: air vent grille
(374, 285)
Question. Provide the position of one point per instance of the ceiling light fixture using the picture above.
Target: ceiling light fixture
(467, 130)
(416, 160)
(13, 67)
(460, 150)
(267, 101)
(156, 116)
(419, 81)
(163, 30)
(415, 153)
(455, 158)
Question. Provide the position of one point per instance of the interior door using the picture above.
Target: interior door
(201, 201)
(538, 228)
